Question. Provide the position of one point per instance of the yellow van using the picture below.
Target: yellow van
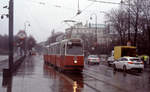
(121, 51)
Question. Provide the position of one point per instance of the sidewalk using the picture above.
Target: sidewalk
(30, 77)
(3, 57)
(4, 63)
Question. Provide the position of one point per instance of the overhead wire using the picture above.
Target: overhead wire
(83, 10)
(33, 18)
(104, 2)
(71, 18)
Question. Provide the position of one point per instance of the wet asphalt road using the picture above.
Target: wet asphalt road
(34, 76)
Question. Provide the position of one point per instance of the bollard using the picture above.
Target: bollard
(6, 73)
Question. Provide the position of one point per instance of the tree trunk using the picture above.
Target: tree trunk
(149, 40)
(135, 37)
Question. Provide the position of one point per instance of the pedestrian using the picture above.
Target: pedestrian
(142, 58)
(145, 60)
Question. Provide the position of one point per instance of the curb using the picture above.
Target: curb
(8, 73)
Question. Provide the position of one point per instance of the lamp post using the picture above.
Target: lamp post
(11, 46)
(95, 44)
(129, 23)
(95, 25)
(8, 72)
(129, 5)
(27, 23)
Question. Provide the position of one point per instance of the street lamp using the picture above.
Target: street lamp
(94, 48)
(2, 16)
(11, 27)
(95, 25)
(129, 5)
(27, 23)
(8, 72)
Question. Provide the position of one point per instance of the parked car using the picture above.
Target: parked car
(129, 63)
(110, 60)
(93, 59)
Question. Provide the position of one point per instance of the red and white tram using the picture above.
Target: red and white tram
(66, 55)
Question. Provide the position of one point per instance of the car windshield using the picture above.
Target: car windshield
(135, 59)
(93, 56)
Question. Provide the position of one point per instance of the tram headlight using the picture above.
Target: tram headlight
(75, 61)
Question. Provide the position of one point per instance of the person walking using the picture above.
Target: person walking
(142, 58)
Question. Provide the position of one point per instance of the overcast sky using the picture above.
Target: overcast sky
(45, 17)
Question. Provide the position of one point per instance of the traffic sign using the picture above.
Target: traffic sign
(22, 34)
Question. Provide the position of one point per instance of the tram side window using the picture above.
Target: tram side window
(45, 50)
(55, 50)
(50, 52)
(63, 49)
(58, 49)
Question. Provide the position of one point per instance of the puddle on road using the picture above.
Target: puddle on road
(69, 81)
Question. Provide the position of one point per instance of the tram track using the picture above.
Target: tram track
(103, 79)
(68, 77)
(93, 87)
(89, 78)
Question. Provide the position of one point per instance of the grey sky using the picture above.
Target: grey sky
(44, 18)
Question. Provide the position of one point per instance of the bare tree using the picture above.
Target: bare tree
(53, 37)
(118, 21)
(133, 19)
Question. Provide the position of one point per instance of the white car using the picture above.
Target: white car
(129, 63)
(93, 59)
(110, 60)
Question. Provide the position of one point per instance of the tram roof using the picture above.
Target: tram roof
(64, 41)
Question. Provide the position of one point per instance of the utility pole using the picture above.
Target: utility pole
(11, 39)
(129, 23)
(95, 44)
(95, 26)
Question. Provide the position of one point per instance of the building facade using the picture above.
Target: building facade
(98, 32)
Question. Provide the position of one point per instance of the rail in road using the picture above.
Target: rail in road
(33, 76)
(68, 76)
(102, 80)
(124, 82)
(94, 83)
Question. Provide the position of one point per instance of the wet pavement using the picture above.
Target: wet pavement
(34, 76)
(3, 57)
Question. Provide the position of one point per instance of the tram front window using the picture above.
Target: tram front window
(74, 49)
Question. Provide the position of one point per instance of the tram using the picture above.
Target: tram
(65, 55)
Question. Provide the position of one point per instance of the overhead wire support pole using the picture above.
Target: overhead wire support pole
(129, 22)
(11, 39)
(95, 25)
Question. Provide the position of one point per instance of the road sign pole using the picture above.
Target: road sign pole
(11, 52)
